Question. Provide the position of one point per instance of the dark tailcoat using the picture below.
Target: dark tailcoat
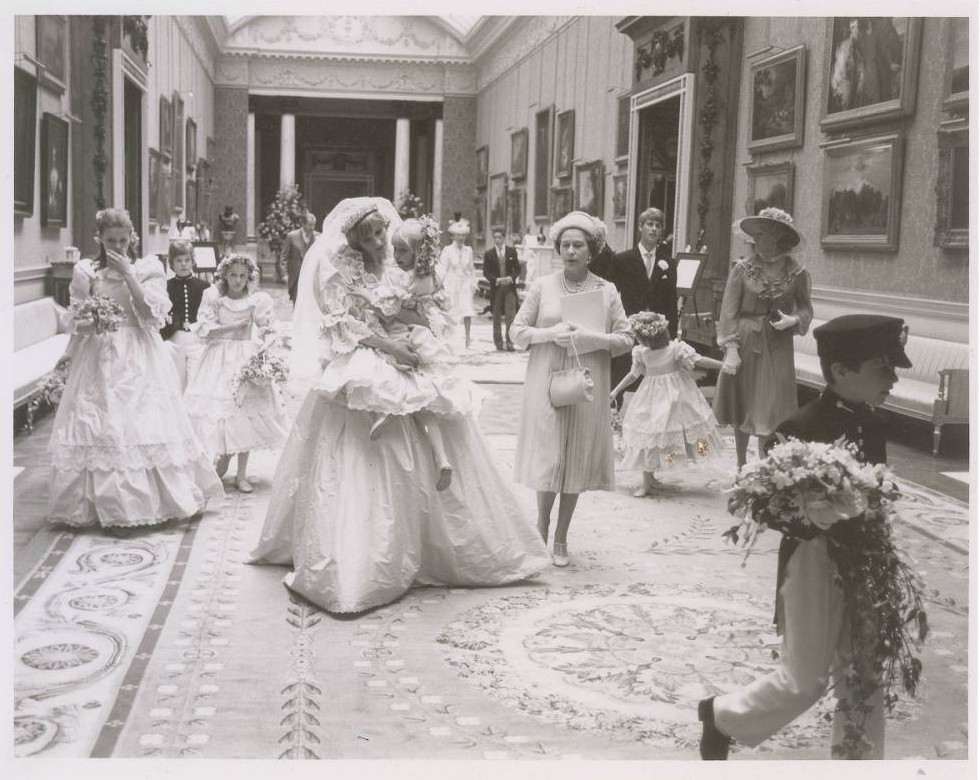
(185, 297)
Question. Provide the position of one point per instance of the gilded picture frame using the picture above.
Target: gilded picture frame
(777, 101)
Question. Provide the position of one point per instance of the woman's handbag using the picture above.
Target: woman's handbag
(571, 386)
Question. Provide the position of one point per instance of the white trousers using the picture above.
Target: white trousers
(186, 350)
(813, 610)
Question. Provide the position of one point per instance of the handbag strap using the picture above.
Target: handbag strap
(571, 339)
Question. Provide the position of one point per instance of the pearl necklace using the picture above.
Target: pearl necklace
(575, 287)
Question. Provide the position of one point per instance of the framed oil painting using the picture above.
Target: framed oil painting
(25, 141)
(482, 167)
(153, 184)
(166, 128)
(164, 198)
(518, 154)
(588, 188)
(778, 98)
(623, 128)
(54, 171)
(619, 195)
(958, 72)
(52, 38)
(561, 202)
(480, 221)
(872, 68)
(565, 144)
(190, 201)
(516, 202)
(769, 185)
(953, 189)
(178, 169)
(190, 144)
(542, 162)
(862, 194)
(498, 200)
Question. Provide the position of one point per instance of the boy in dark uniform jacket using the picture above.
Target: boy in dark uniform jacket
(858, 356)
(185, 291)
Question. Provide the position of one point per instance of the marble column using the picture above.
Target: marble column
(287, 152)
(437, 173)
(250, 178)
(402, 154)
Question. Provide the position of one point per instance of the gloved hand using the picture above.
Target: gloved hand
(785, 321)
(544, 335)
(585, 341)
(732, 361)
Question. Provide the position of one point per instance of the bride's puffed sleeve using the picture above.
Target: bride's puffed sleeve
(343, 325)
(153, 280)
(207, 312)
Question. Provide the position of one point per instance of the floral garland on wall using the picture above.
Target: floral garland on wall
(100, 105)
(711, 33)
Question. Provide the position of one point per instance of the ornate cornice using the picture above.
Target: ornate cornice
(502, 52)
(300, 75)
(231, 72)
(202, 43)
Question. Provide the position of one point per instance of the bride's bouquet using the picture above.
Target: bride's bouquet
(265, 367)
(102, 311)
(805, 489)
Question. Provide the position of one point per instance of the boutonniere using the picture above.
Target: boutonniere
(663, 265)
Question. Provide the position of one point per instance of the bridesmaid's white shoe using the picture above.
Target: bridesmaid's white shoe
(559, 556)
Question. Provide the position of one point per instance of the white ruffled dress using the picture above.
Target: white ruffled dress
(667, 421)
(123, 450)
(368, 379)
(256, 419)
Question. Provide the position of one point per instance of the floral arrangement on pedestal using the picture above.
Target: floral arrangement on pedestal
(804, 489)
(284, 214)
(410, 205)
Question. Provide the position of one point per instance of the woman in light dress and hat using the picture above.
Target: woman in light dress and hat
(564, 451)
(456, 271)
(766, 303)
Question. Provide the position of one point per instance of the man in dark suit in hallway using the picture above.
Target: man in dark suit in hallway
(294, 249)
(646, 277)
(502, 269)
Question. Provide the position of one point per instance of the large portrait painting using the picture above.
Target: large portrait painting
(620, 195)
(769, 185)
(518, 154)
(498, 200)
(872, 69)
(778, 98)
(542, 162)
(953, 190)
(516, 202)
(178, 169)
(862, 194)
(25, 141)
(565, 144)
(480, 222)
(166, 128)
(164, 199)
(54, 171)
(561, 202)
(52, 37)
(588, 188)
(958, 73)
(153, 184)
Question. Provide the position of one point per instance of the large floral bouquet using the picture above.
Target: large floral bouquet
(287, 212)
(804, 489)
(265, 367)
(102, 311)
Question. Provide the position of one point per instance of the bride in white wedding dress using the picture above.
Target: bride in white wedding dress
(360, 520)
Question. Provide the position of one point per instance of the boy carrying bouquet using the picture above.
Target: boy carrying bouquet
(858, 356)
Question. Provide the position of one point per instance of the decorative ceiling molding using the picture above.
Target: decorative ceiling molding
(503, 52)
(461, 80)
(299, 76)
(200, 36)
(416, 39)
(231, 72)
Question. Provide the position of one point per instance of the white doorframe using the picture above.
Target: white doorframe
(682, 87)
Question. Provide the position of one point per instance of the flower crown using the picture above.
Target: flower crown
(428, 251)
(357, 215)
(237, 259)
(647, 325)
(777, 214)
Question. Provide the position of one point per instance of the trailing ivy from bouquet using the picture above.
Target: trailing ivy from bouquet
(105, 314)
(804, 489)
(48, 392)
(265, 367)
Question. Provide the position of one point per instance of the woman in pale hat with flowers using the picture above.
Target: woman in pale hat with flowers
(565, 450)
(456, 272)
(766, 303)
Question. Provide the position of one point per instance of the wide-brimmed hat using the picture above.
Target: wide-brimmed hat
(771, 219)
(591, 226)
(459, 227)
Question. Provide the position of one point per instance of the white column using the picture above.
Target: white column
(287, 151)
(250, 177)
(437, 174)
(402, 151)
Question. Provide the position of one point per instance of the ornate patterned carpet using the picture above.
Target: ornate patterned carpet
(165, 644)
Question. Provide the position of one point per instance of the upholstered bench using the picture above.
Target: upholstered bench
(39, 343)
(936, 388)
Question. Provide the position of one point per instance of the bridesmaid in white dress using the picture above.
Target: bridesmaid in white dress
(230, 420)
(360, 520)
(123, 450)
(458, 275)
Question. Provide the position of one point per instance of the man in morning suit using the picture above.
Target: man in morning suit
(858, 356)
(294, 249)
(502, 269)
